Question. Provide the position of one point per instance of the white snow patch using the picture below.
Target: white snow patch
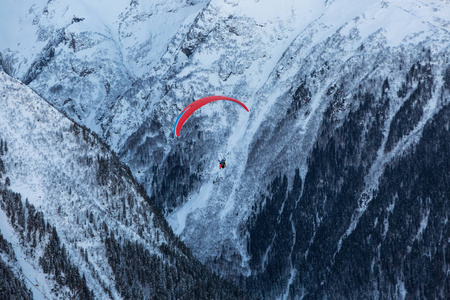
(177, 219)
(35, 280)
(401, 289)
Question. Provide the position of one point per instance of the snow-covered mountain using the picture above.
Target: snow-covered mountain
(330, 176)
(78, 223)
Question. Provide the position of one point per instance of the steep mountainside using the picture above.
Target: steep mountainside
(336, 181)
(74, 222)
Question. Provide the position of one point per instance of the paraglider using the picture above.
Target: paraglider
(189, 110)
(222, 163)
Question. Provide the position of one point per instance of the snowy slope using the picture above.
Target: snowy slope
(49, 167)
(368, 43)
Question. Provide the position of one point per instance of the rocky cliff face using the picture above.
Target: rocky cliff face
(330, 174)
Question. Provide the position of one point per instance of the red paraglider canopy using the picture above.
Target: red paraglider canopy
(189, 110)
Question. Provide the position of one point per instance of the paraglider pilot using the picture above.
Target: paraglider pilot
(222, 164)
